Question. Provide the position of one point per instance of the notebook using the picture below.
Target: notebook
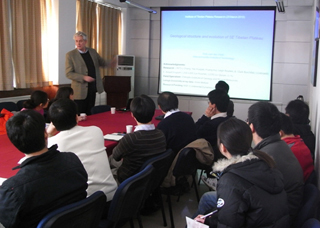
(113, 136)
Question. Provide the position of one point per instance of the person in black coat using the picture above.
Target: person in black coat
(47, 178)
(215, 114)
(177, 126)
(298, 111)
(250, 190)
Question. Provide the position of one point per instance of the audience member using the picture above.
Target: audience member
(177, 126)
(64, 93)
(265, 122)
(82, 67)
(38, 102)
(298, 111)
(296, 144)
(250, 192)
(86, 142)
(139, 146)
(225, 87)
(215, 114)
(47, 179)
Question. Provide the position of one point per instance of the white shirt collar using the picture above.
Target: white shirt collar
(171, 112)
(82, 52)
(221, 114)
(145, 127)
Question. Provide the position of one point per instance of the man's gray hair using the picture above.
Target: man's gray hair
(79, 33)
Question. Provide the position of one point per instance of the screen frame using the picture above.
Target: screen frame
(221, 8)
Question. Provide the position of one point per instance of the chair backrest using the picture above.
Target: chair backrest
(161, 164)
(20, 104)
(129, 197)
(310, 204)
(311, 223)
(186, 163)
(100, 108)
(10, 106)
(85, 213)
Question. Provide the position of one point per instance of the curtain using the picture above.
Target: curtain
(6, 70)
(102, 24)
(109, 35)
(87, 21)
(26, 43)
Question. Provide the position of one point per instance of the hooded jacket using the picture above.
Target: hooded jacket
(250, 194)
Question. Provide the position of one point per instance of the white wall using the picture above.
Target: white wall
(292, 51)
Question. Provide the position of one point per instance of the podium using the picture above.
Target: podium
(117, 89)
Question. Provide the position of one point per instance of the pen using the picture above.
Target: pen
(211, 213)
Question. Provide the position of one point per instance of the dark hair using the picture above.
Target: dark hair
(286, 124)
(37, 97)
(223, 86)
(26, 131)
(63, 92)
(298, 111)
(236, 136)
(63, 114)
(220, 98)
(168, 101)
(142, 108)
(265, 118)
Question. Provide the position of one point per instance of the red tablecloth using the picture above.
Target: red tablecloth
(109, 123)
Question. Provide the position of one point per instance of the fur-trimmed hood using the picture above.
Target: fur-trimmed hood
(221, 164)
(252, 169)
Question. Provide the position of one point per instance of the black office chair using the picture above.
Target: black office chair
(128, 199)
(100, 108)
(186, 164)
(20, 104)
(85, 213)
(10, 106)
(161, 164)
(310, 205)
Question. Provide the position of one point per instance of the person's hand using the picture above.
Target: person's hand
(199, 219)
(113, 62)
(210, 111)
(88, 78)
(51, 130)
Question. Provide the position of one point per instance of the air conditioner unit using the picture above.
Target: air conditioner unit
(125, 67)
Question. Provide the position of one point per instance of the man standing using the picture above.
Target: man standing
(265, 122)
(82, 67)
(47, 179)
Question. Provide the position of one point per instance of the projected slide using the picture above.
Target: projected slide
(201, 47)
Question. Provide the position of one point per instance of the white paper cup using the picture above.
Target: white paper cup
(113, 110)
(129, 128)
(83, 116)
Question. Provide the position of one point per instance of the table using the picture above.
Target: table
(109, 123)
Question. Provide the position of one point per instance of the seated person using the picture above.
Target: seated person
(215, 114)
(139, 146)
(265, 122)
(299, 113)
(47, 179)
(38, 102)
(225, 87)
(62, 93)
(250, 190)
(86, 142)
(177, 126)
(296, 144)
